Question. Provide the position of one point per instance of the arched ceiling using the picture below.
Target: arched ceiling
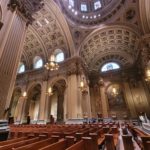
(46, 34)
(96, 45)
(117, 43)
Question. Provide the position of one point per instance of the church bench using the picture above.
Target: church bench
(12, 141)
(106, 129)
(98, 141)
(110, 142)
(127, 142)
(85, 144)
(60, 145)
(39, 144)
(18, 144)
(146, 142)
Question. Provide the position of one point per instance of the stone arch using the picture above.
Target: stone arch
(57, 100)
(14, 105)
(123, 40)
(33, 101)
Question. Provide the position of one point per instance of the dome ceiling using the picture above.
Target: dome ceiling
(90, 12)
(112, 43)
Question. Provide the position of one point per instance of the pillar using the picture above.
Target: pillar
(86, 106)
(43, 102)
(12, 37)
(104, 101)
(74, 105)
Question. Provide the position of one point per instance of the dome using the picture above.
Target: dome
(90, 12)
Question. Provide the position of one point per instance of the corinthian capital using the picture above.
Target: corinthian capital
(26, 7)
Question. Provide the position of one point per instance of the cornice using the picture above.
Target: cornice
(26, 7)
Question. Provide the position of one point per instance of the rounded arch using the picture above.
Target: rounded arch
(59, 55)
(111, 65)
(116, 99)
(37, 62)
(33, 101)
(55, 79)
(57, 106)
(21, 67)
(63, 26)
(14, 104)
(120, 39)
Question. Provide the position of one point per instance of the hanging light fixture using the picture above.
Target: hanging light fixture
(51, 64)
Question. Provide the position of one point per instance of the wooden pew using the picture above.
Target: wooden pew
(39, 144)
(109, 142)
(146, 142)
(77, 146)
(85, 144)
(12, 141)
(127, 142)
(62, 144)
(18, 144)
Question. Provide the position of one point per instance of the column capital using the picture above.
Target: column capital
(26, 7)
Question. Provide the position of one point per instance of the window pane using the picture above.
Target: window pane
(83, 7)
(97, 5)
(71, 3)
(38, 64)
(110, 66)
(21, 68)
(59, 57)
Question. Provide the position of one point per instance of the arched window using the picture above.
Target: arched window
(59, 55)
(21, 68)
(71, 3)
(38, 62)
(110, 66)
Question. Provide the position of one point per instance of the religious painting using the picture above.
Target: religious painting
(115, 97)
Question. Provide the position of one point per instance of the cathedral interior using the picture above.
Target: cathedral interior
(74, 59)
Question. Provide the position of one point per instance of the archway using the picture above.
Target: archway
(33, 101)
(116, 101)
(56, 102)
(14, 106)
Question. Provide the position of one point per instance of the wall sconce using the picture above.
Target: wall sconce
(24, 94)
(147, 75)
(83, 86)
(49, 91)
(114, 92)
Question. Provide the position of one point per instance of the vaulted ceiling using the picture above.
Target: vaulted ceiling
(116, 38)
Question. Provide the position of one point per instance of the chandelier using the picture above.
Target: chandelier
(51, 64)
